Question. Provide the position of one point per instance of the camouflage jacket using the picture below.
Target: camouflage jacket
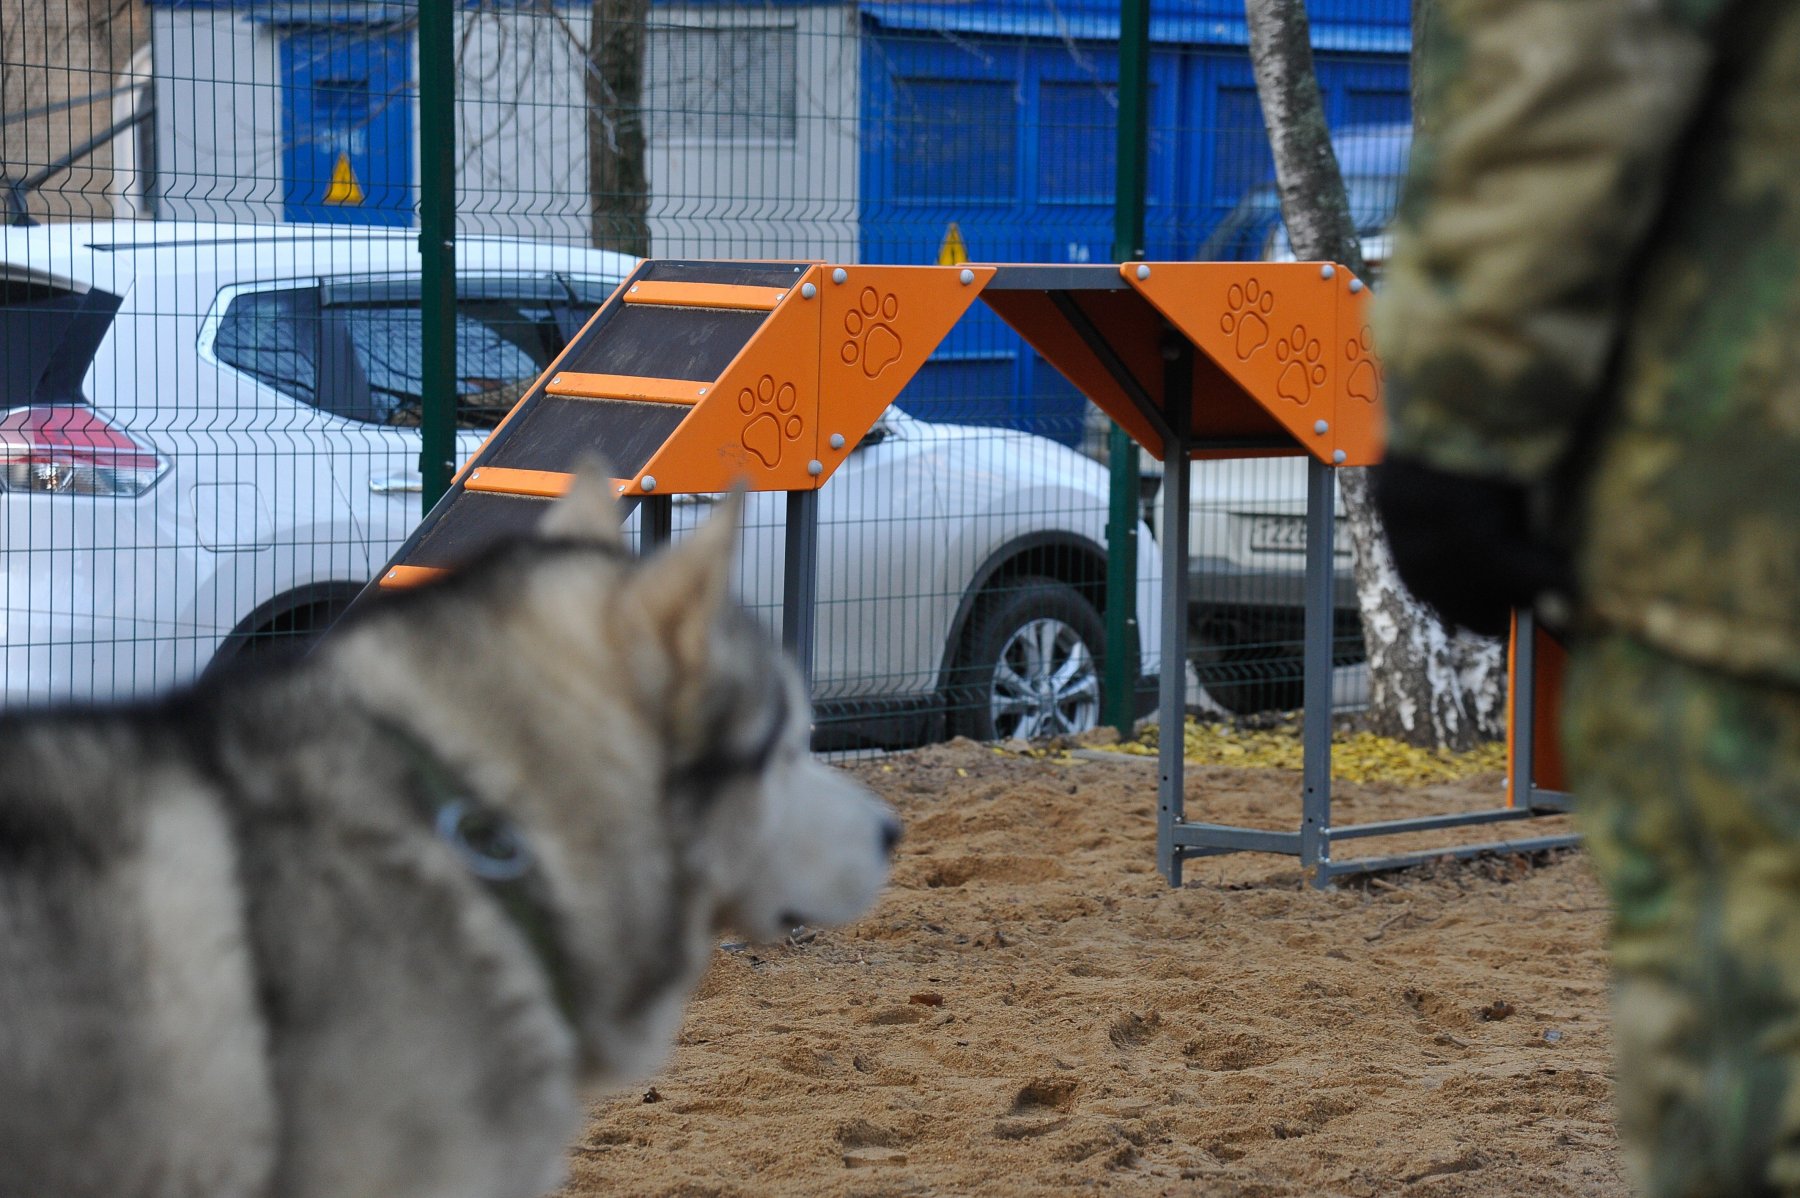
(1597, 275)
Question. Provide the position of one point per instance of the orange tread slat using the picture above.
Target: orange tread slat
(401, 577)
(569, 385)
(705, 295)
(499, 480)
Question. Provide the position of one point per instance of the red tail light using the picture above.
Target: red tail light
(70, 450)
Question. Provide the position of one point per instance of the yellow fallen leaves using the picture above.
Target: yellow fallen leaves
(1355, 756)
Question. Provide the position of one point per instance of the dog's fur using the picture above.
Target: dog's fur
(236, 958)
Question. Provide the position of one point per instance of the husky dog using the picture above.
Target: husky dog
(364, 925)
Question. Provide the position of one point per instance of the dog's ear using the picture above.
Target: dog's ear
(684, 588)
(590, 511)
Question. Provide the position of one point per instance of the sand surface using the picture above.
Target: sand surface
(1030, 1010)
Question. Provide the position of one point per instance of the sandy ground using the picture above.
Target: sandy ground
(1031, 1011)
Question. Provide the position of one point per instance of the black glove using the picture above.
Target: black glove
(1464, 544)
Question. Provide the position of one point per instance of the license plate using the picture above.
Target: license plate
(1281, 534)
(1287, 534)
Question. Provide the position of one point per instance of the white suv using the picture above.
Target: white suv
(208, 442)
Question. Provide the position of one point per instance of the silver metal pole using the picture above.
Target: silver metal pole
(1172, 700)
(1315, 733)
(656, 524)
(1521, 770)
(800, 580)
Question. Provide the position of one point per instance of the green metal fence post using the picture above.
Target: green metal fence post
(1128, 243)
(437, 247)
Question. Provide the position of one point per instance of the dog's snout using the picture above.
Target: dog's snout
(890, 835)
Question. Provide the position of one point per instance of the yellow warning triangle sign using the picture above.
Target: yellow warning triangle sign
(344, 189)
(952, 252)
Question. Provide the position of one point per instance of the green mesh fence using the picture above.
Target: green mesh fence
(214, 335)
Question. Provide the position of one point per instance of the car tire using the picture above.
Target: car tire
(1031, 666)
(1248, 679)
(287, 634)
(1252, 662)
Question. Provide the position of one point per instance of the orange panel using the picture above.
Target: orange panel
(704, 295)
(759, 423)
(401, 577)
(1036, 318)
(1273, 327)
(625, 386)
(1551, 663)
(547, 484)
(879, 325)
(1513, 775)
(1361, 422)
(1133, 330)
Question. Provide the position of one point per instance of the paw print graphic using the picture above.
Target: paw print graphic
(1365, 374)
(773, 421)
(873, 343)
(1304, 370)
(1247, 307)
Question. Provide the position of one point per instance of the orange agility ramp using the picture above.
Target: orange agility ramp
(1278, 355)
(694, 377)
(1227, 360)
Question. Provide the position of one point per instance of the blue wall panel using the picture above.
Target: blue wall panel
(347, 97)
(1012, 140)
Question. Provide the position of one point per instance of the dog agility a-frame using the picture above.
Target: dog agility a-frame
(696, 376)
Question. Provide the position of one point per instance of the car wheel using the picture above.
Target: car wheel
(1248, 675)
(287, 634)
(1251, 661)
(1031, 668)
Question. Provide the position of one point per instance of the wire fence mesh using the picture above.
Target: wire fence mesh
(213, 351)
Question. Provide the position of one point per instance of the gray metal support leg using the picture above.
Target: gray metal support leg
(800, 580)
(657, 523)
(1315, 734)
(1172, 699)
(1522, 771)
(1173, 531)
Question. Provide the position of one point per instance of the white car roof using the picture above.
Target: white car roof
(111, 254)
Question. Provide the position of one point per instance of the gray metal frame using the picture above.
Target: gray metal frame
(1179, 838)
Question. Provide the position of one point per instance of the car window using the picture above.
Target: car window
(1373, 201)
(362, 357)
(590, 294)
(272, 336)
(1240, 236)
(570, 318)
(48, 337)
(502, 345)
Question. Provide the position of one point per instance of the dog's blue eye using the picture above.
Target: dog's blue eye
(489, 845)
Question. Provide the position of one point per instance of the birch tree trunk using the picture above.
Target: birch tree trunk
(1427, 685)
(618, 185)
